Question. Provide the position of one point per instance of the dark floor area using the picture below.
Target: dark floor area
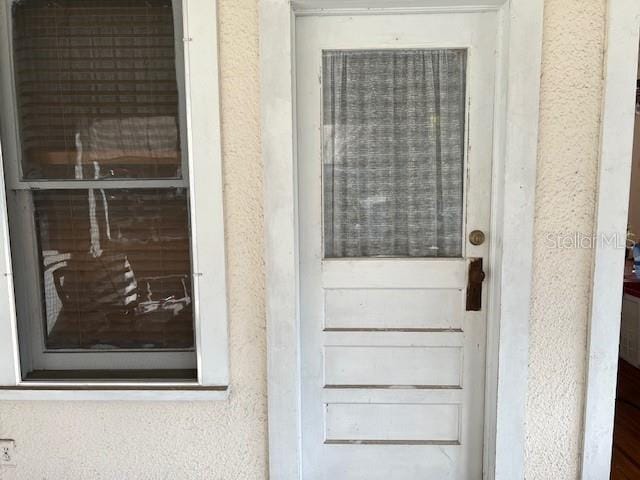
(626, 435)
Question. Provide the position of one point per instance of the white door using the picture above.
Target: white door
(394, 127)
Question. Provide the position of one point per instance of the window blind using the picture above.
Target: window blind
(78, 61)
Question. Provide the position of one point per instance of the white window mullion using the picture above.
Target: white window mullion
(97, 184)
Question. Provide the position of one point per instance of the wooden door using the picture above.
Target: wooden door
(394, 134)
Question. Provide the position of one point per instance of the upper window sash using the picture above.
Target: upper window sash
(14, 170)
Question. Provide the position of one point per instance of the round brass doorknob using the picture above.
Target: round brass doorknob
(476, 237)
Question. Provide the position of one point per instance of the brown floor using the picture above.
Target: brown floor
(626, 435)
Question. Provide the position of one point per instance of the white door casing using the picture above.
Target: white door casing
(392, 363)
(515, 154)
(614, 177)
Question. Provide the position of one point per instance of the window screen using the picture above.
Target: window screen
(97, 77)
(115, 268)
(393, 152)
(98, 100)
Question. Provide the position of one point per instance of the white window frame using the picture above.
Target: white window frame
(514, 176)
(202, 107)
(614, 179)
(34, 354)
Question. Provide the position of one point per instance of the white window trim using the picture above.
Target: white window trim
(616, 150)
(516, 139)
(208, 245)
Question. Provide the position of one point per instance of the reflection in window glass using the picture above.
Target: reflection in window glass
(115, 268)
(393, 152)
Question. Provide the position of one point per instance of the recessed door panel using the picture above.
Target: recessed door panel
(393, 309)
(376, 423)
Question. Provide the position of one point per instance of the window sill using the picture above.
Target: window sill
(69, 391)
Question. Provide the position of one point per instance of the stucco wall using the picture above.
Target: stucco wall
(227, 440)
(215, 440)
(571, 95)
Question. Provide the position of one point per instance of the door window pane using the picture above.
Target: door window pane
(96, 89)
(115, 268)
(393, 152)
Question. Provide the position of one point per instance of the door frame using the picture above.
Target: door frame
(512, 206)
(612, 201)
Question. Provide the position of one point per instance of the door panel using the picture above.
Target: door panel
(394, 122)
(377, 423)
(392, 309)
(390, 365)
(394, 273)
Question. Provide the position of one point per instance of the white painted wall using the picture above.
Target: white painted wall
(227, 440)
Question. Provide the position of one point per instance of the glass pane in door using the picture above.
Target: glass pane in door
(393, 152)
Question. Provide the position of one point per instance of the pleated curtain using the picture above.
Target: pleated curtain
(393, 152)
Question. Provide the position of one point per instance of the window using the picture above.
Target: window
(115, 230)
(393, 155)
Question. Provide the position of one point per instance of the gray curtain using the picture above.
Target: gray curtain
(393, 152)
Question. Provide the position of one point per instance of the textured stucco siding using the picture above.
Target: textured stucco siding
(570, 108)
(227, 439)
